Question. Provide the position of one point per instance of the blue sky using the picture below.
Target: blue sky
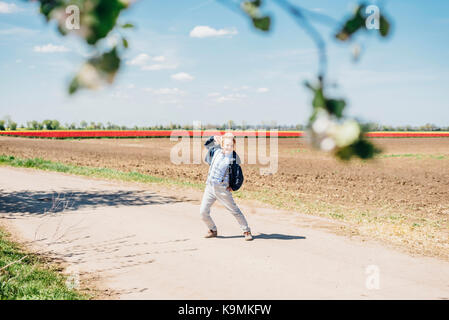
(238, 74)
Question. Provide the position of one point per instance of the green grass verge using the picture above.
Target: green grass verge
(28, 277)
(39, 163)
(413, 155)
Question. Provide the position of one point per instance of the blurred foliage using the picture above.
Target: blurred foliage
(344, 138)
(333, 106)
(97, 19)
(251, 8)
(360, 148)
(357, 22)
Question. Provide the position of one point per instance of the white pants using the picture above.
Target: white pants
(214, 192)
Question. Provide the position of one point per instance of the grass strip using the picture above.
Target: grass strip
(39, 163)
(26, 276)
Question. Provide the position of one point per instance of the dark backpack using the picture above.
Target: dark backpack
(235, 174)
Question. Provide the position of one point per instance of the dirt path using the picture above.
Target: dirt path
(145, 245)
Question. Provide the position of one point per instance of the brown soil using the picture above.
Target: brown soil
(401, 196)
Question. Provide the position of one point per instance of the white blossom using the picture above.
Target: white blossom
(327, 133)
(327, 144)
(346, 133)
(89, 77)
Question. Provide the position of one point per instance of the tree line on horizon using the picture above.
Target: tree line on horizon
(52, 124)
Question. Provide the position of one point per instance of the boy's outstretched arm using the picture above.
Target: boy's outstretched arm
(212, 144)
(213, 141)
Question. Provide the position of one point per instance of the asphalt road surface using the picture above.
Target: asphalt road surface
(141, 244)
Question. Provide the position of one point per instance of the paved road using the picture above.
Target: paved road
(144, 245)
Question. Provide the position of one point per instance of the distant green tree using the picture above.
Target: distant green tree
(51, 124)
(55, 125)
(7, 120)
(47, 124)
(34, 125)
(2, 125)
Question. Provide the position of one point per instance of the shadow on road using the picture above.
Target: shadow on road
(35, 202)
(276, 236)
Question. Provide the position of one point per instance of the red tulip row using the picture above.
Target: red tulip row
(168, 133)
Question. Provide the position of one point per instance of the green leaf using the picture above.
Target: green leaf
(384, 26)
(364, 149)
(262, 23)
(61, 30)
(343, 36)
(353, 24)
(125, 42)
(74, 86)
(47, 6)
(318, 100)
(360, 148)
(335, 107)
(103, 18)
(127, 25)
(344, 153)
(108, 62)
(312, 118)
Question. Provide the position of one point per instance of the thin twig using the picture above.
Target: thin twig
(10, 264)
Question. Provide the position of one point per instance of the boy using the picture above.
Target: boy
(217, 184)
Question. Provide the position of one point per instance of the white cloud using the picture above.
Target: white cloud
(206, 31)
(213, 94)
(223, 99)
(8, 7)
(171, 101)
(140, 60)
(153, 67)
(143, 61)
(242, 88)
(182, 76)
(262, 90)
(165, 91)
(231, 97)
(50, 48)
(119, 95)
(159, 59)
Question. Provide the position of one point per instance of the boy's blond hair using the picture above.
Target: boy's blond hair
(227, 135)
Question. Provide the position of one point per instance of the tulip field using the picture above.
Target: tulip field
(167, 133)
